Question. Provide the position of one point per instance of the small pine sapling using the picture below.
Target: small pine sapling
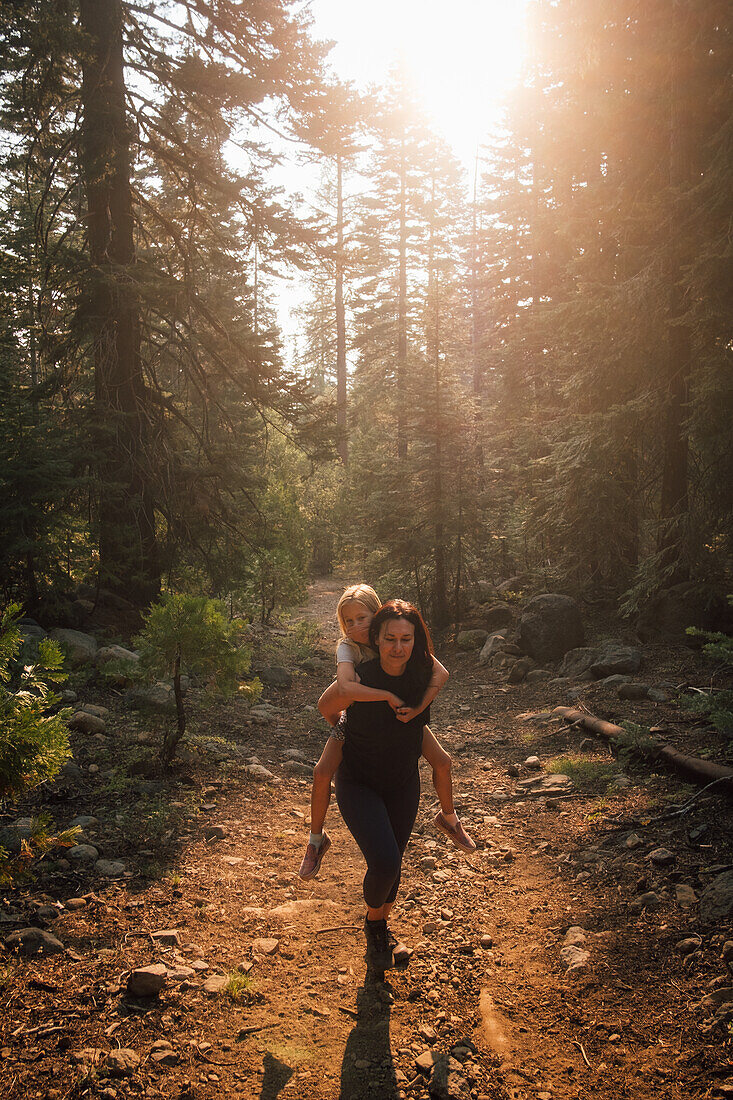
(716, 705)
(191, 633)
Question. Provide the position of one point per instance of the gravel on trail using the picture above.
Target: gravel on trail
(565, 958)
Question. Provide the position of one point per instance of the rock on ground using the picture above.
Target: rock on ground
(147, 981)
(492, 645)
(112, 868)
(616, 660)
(549, 626)
(116, 653)
(716, 900)
(122, 1062)
(82, 853)
(33, 941)
(498, 615)
(158, 697)
(276, 676)
(81, 648)
(84, 722)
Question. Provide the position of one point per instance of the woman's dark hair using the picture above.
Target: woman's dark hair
(420, 665)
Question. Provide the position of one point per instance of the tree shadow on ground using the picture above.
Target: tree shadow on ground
(277, 1075)
(369, 1041)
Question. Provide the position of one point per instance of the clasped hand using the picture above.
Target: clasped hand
(402, 711)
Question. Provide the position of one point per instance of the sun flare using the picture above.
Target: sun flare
(462, 57)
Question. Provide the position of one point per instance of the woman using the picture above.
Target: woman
(378, 783)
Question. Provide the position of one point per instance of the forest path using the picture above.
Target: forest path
(485, 991)
(517, 1026)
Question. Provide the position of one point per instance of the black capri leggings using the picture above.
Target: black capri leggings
(381, 825)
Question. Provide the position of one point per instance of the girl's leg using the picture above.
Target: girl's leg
(319, 841)
(447, 820)
(440, 762)
(323, 773)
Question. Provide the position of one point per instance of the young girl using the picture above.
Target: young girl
(354, 612)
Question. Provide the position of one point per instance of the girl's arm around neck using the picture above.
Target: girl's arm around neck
(351, 688)
(438, 680)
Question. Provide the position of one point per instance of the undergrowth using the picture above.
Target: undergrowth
(587, 775)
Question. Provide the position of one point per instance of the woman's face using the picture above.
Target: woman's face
(357, 619)
(395, 641)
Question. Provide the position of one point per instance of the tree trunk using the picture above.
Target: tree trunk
(173, 736)
(343, 443)
(674, 502)
(440, 596)
(128, 559)
(476, 365)
(402, 311)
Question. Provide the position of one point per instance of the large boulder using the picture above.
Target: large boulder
(611, 659)
(549, 626)
(485, 591)
(32, 634)
(577, 661)
(616, 660)
(116, 653)
(81, 648)
(118, 665)
(158, 697)
(498, 615)
(493, 644)
(520, 583)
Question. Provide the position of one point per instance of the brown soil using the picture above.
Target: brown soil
(309, 1021)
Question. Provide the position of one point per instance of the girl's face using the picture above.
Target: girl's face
(396, 641)
(357, 619)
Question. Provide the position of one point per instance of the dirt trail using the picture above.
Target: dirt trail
(486, 989)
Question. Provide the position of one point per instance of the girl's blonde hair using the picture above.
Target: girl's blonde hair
(363, 593)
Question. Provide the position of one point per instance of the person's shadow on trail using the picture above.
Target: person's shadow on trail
(277, 1075)
(368, 1041)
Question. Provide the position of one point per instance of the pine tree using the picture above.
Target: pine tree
(155, 349)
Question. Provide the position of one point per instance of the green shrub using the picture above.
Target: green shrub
(191, 633)
(717, 706)
(34, 740)
(303, 639)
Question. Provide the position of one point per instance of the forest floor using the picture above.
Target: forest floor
(267, 992)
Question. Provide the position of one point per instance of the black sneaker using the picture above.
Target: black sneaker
(379, 951)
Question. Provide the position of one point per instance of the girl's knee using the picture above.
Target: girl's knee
(322, 774)
(443, 764)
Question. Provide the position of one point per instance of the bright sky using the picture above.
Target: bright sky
(463, 55)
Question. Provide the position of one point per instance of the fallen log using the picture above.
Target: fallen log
(692, 768)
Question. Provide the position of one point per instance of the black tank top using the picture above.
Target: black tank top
(379, 750)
